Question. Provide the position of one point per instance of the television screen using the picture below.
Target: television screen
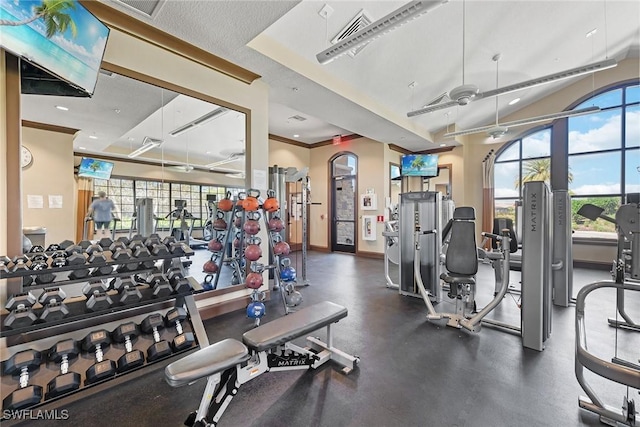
(424, 165)
(61, 37)
(92, 168)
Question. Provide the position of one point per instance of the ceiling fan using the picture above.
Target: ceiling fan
(466, 93)
(500, 129)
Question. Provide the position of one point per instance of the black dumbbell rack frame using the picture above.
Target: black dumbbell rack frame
(79, 323)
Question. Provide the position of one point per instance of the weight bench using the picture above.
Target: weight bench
(230, 363)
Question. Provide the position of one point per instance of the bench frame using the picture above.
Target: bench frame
(223, 386)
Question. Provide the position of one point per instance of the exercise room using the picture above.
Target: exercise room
(320, 213)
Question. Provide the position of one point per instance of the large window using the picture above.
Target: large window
(603, 158)
(125, 191)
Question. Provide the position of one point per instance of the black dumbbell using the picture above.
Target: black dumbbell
(21, 312)
(65, 244)
(140, 251)
(59, 259)
(84, 244)
(152, 240)
(160, 348)
(63, 352)
(54, 307)
(139, 237)
(73, 249)
(5, 261)
(105, 242)
(53, 247)
(169, 240)
(117, 245)
(103, 270)
(121, 254)
(36, 249)
(177, 248)
(79, 274)
(39, 264)
(178, 281)
(127, 334)
(23, 363)
(159, 249)
(174, 318)
(128, 290)
(123, 239)
(97, 297)
(174, 274)
(160, 284)
(19, 263)
(96, 254)
(98, 342)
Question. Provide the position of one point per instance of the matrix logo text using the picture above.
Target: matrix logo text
(35, 414)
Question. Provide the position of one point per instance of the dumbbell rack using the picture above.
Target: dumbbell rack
(79, 323)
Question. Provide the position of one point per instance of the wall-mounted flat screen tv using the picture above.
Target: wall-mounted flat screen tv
(93, 168)
(424, 165)
(60, 36)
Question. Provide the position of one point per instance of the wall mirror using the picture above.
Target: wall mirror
(165, 145)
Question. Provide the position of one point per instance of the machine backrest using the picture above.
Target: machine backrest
(462, 256)
(500, 224)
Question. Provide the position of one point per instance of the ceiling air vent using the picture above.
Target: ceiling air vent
(298, 118)
(361, 20)
(149, 8)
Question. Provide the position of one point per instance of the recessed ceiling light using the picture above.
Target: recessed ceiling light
(443, 145)
(207, 152)
(296, 136)
(82, 148)
(60, 107)
(93, 137)
(514, 101)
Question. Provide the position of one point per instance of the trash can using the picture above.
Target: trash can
(37, 235)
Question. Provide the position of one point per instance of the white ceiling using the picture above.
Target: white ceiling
(371, 94)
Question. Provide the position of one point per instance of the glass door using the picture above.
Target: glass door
(343, 202)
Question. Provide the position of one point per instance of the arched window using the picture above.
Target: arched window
(525, 159)
(603, 158)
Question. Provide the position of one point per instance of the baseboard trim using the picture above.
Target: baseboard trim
(367, 254)
(218, 309)
(319, 248)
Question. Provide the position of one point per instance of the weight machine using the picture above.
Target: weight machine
(184, 233)
(143, 221)
(208, 232)
(422, 255)
(278, 179)
(626, 272)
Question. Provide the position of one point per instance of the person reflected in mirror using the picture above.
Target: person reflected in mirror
(102, 212)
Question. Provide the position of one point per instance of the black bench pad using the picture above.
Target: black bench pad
(294, 325)
(206, 361)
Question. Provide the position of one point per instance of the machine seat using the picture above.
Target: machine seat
(294, 325)
(455, 279)
(206, 361)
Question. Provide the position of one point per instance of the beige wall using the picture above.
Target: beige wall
(287, 155)
(370, 176)
(51, 173)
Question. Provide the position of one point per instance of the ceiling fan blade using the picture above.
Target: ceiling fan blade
(523, 122)
(431, 108)
(574, 72)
